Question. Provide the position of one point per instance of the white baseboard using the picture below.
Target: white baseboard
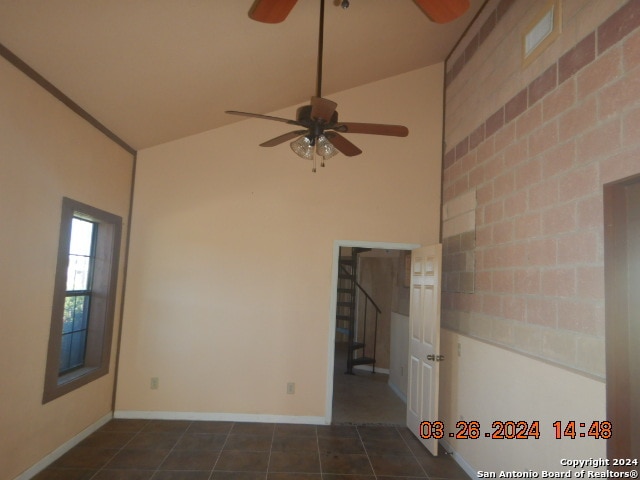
(398, 392)
(459, 460)
(62, 449)
(225, 417)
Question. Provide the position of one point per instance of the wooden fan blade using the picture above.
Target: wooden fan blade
(443, 11)
(271, 11)
(342, 144)
(373, 129)
(283, 138)
(322, 109)
(264, 117)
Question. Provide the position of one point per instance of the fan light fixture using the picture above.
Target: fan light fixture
(307, 148)
(303, 147)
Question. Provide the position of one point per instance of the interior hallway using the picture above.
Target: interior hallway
(363, 398)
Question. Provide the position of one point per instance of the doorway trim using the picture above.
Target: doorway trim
(621, 327)
(332, 307)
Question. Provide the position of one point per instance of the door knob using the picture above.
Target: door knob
(436, 358)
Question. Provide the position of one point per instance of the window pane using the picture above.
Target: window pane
(78, 341)
(81, 237)
(74, 331)
(65, 350)
(80, 249)
(76, 313)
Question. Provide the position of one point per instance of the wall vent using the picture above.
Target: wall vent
(542, 31)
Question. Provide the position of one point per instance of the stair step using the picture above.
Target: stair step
(345, 290)
(356, 346)
(345, 276)
(345, 304)
(345, 331)
(363, 361)
(344, 317)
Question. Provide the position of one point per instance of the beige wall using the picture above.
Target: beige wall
(229, 286)
(495, 384)
(46, 152)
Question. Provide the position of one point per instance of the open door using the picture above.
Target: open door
(424, 341)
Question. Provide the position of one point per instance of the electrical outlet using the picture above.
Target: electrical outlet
(155, 383)
(291, 388)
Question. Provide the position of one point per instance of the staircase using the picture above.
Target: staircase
(355, 313)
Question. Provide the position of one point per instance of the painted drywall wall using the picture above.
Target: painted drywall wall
(399, 360)
(228, 294)
(494, 384)
(46, 152)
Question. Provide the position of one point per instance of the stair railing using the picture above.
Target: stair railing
(368, 301)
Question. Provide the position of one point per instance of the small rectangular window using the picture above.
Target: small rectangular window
(84, 298)
(75, 320)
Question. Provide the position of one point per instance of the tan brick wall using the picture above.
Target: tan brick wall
(537, 143)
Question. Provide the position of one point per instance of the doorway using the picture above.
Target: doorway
(365, 397)
(622, 306)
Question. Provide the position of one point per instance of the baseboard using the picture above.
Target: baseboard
(224, 417)
(459, 460)
(62, 449)
(398, 392)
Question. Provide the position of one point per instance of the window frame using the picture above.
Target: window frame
(103, 299)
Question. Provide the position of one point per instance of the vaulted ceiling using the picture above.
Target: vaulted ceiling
(153, 71)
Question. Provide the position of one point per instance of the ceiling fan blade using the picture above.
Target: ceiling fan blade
(283, 138)
(342, 144)
(443, 11)
(322, 109)
(264, 117)
(271, 11)
(373, 129)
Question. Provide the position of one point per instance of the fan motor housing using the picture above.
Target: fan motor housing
(303, 116)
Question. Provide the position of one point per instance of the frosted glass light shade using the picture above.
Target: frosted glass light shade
(303, 148)
(325, 148)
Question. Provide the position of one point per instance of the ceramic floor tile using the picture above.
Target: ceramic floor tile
(135, 458)
(345, 463)
(242, 461)
(398, 465)
(341, 445)
(292, 443)
(253, 443)
(303, 462)
(64, 474)
(190, 460)
(184, 450)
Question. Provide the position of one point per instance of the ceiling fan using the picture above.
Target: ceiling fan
(321, 131)
(440, 11)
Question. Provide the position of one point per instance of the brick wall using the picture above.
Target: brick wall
(536, 143)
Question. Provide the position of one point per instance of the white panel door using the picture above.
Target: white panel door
(424, 341)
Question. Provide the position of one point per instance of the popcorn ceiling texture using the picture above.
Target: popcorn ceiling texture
(537, 143)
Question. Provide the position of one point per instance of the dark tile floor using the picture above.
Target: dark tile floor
(185, 450)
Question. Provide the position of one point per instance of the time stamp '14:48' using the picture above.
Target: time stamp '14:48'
(517, 430)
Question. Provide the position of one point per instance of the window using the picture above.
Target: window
(83, 299)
